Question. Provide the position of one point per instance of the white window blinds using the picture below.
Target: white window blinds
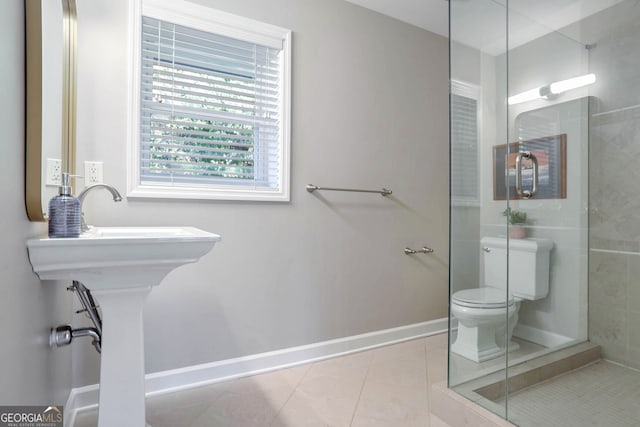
(464, 144)
(211, 109)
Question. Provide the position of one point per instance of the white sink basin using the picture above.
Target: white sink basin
(120, 265)
(108, 257)
(144, 232)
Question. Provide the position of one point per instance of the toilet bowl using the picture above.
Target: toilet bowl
(486, 319)
(487, 315)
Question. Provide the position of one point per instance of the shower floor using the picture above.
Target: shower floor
(600, 394)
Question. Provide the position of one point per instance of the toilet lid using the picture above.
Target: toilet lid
(482, 297)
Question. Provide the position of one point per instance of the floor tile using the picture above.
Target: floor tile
(320, 386)
(238, 410)
(434, 421)
(352, 365)
(361, 421)
(410, 373)
(387, 386)
(436, 364)
(437, 341)
(304, 409)
(404, 406)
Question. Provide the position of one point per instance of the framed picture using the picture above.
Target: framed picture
(551, 152)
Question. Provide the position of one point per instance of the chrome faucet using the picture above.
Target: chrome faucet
(116, 198)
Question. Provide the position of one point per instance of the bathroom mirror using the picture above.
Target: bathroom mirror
(50, 100)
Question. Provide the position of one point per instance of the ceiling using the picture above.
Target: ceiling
(432, 15)
(482, 23)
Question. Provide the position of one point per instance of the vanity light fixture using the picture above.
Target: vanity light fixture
(549, 91)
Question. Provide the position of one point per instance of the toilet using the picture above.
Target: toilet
(482, 312)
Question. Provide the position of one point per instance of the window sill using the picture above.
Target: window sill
(186, 193)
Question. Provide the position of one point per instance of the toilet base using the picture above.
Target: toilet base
(481, 354)
(476, 354)
(476, 343)
(482, 332)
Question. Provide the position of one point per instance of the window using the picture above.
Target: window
(212, 98)
(465, 176)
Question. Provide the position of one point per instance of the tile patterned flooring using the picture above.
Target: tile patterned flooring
(387, 386)
(600, 394)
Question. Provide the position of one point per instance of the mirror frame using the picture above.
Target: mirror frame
(35, 164)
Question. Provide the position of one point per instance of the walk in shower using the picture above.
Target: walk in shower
(545, 141)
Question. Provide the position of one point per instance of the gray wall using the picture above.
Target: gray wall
(30, 372)
(369, 111)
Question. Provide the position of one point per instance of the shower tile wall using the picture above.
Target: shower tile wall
(614, 208)
(614, 177)
(614, 264)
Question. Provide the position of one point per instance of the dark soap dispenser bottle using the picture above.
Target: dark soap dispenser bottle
(64, 212)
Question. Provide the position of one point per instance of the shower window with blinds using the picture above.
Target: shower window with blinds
(465, 144)
(213, 105)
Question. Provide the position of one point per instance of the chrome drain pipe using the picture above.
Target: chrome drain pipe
(63, 335)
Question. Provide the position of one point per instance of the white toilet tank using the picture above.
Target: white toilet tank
(528, 266)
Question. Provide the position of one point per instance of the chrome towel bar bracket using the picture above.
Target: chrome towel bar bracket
(424, 250)
(384, 192)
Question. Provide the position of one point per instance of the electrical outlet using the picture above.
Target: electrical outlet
(92, 173)
(54, 172)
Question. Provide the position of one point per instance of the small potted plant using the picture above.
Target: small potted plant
(517, 220)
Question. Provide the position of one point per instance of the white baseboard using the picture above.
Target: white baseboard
(540, 336)
(86, 398)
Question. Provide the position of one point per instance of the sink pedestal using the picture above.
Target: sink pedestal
(120, 265)
(122, 386)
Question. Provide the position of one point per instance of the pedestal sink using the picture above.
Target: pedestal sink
(120, 265)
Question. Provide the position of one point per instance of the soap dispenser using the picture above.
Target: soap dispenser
(64, 212)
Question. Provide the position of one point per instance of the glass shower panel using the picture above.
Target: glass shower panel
(547, 129)
(477, 356)
(545, 123)
(525, 234)
(554, 128)
(594, 291)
